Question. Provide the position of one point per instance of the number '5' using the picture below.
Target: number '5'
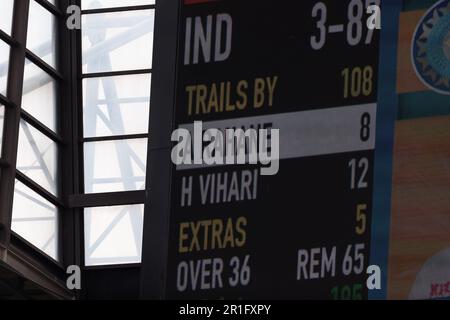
(361, 218)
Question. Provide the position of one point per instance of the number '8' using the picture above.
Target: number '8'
(365, 127)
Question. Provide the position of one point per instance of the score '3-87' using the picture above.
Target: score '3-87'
(363, 17)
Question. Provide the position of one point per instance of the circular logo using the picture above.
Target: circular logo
(433, 279)
(431, 48)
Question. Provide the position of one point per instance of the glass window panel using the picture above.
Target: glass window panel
(4, 66)
(117, 41)
(113, 235)
(37, 157)
(96, 4)
(41, 36)
(35, 219)
(6, 14)
(39, 95)
(2, 117)
(116, 105)
(111, 166)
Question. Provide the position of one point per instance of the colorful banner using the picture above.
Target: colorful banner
(419, 263)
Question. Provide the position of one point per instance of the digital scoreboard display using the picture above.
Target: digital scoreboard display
(309, 69)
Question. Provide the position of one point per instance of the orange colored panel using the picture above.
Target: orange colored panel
(421, 199)
(407, 80)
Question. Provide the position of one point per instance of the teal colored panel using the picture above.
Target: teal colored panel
(411, 5)
(423, 104)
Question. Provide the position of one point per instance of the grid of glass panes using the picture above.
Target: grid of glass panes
(35, 214)
(117, 47)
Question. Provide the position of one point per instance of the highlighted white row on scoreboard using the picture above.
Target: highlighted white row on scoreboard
(310, 133)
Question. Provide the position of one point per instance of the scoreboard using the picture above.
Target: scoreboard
(310, 69)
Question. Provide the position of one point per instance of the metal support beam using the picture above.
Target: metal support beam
(159, 165)
(106, 199)
(35, 273)
(12, 117)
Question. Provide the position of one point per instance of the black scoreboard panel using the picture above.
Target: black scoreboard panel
(308, 68)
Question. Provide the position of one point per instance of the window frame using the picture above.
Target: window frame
(83, 200)
(71, 201)
(24, 256)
